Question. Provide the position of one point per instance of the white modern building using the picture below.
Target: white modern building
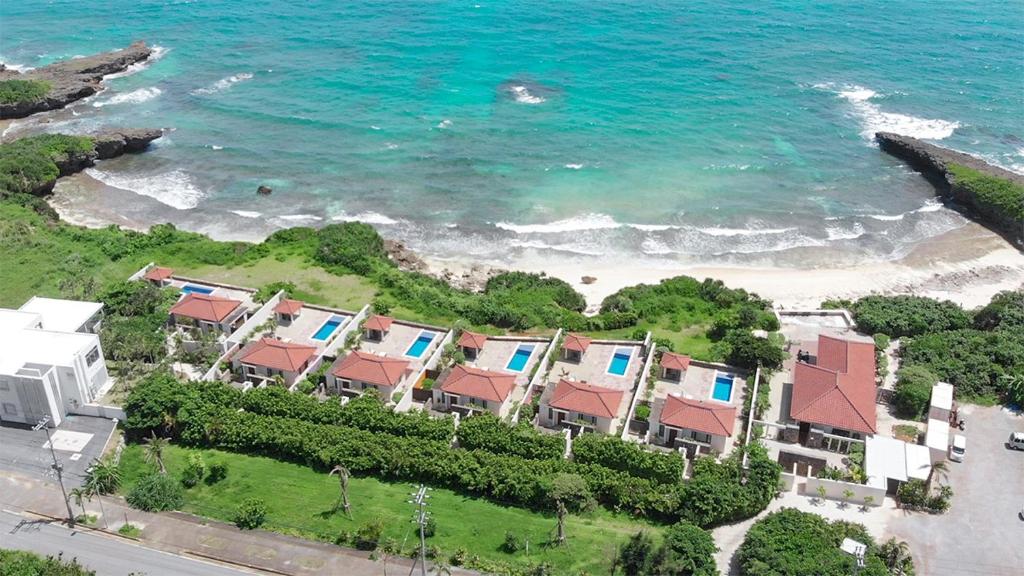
(51, 362)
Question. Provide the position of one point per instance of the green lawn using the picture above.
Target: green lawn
(686, 338)
(300, 500)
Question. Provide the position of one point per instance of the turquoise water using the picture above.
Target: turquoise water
(519, 359)
(420, 345)
(327, 329)
(698, 131)
(190, 289)
(619, 363)
(723, 387)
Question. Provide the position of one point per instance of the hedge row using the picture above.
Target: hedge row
(617, 454)
(488, 432)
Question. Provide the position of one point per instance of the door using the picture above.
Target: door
(672, 434)
(805, 431)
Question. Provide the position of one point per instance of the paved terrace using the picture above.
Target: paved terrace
(698, 383)
(398, 340)
(593, 368)
(496, 354)
(300, 330)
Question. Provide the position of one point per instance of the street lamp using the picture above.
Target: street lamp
(57, 467)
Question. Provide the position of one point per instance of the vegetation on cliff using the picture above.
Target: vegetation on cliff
(30, 164)
(991, 194)
(15, 91)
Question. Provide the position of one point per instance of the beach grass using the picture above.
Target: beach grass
(15, 91)
(300, 503)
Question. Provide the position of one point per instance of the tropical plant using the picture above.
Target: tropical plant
(897, 558)
(156, 493)
(154, 451)
(343, 475)
(193, 471)
(251, 513)
(104, 475)
(569, 493)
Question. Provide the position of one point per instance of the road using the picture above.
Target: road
(107, 555)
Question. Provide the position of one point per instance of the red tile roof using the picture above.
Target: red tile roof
(205, 307)
(286, 306)
(708, 417)
(472, 340)
(838, 391)
(277, 354)
(586, 399)
(381, 323)
(370, 368)
(675, 361)
(158, 274)
(483, 384)
(577, 343)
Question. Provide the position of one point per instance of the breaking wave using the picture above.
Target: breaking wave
(133, 97)
(222, 84)
(523, 95)
(158, 53)
(174, 188)
(365, 217)
(873, 119)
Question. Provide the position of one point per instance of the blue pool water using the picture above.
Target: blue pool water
(519, 359)
(723, 388)
(421, 343)
(620, 361)
(327, 329)
(190, 289)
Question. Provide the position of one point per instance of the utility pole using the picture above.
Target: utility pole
(419, 498)
(57, 467)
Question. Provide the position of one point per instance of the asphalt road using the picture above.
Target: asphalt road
(106, 555)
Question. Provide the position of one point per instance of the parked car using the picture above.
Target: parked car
(1016, 441)
(958, 449)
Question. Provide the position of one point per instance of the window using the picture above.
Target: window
(92, 356)
(10, 409)
(551, 414)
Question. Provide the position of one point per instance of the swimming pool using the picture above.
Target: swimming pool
(723, 387)
(328, 328)
(519, 359)
(420, 345)
(193, 289)
(619, 363)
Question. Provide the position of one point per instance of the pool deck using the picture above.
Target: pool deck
(593, 367)
(698, 383)
(399, 338)
(233, 292)
(301, 329)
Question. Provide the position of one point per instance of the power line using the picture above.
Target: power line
(419, 499)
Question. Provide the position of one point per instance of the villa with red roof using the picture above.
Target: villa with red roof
(466, 389)
(358, 371)
(208, 313)
(581, 406)
(267, 358)
(471, 344)
(687, 419)
(574, 347)
(835, 392)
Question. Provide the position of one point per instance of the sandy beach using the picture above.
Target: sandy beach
(967, 265)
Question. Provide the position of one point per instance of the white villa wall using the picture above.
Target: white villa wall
(539, 375)
(335, 344)
(259, 317)
(641, 385)
(405, 403)
(834, 490)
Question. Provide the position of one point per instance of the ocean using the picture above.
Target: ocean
(704, 132)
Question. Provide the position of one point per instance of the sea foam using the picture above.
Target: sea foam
(523, 95)
(133, 97)
(873, 119)
(222, 84)
(366, 217)
(157, 53)
(174, 188)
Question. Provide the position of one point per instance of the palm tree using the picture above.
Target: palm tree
(896, 555)
(93, 488)
(154, 451)
(939, 469)
(343, 474)
(1014, 384)
(80, 495)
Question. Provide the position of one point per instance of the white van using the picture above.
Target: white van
(1016, 440)
(958, 448)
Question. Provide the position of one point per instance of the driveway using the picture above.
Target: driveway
(77, 441)
(983, 532)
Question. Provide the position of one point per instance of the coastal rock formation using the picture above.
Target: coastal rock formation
(989, 194)
(106, 145)
(403, 257)
(70, 80)
(264, 190)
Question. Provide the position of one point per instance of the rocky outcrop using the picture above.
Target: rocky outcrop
(71, 80)
(106, 145)
(403, 257)
(934, 163)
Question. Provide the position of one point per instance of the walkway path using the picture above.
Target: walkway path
(257, 551)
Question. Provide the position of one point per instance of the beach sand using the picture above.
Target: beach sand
(967, 265)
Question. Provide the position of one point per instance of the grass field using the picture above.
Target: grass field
(688, 336)
(300, 500)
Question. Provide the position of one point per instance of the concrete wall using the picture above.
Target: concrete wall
(640, 385)
(261, 315)
(834, 490)
(338, 341)
(100, 411)
(788, 481)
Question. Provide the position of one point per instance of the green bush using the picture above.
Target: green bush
(28, 164)
(268, 291)
(193, 471)
(487, 432)
(745, 350)
(992, 195)
(512, 543)
(686, 549)
(368, 535)
(429, 527)
(899, 316)
(642, 413)
(635, 555)
(251, 513)
(156, 493)
(973, 361)
(218, 471)
(353, 245)
(20, 563)
(913, 391)
(916, 495)
(16, 91)
(1005, 312)
(794, 543)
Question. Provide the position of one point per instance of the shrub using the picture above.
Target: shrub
(193, 471)
(913, 391)
(899, 316)
(130, 530)
(635, 555)
(429, 527)
(218, 471)
(971, 360)
(20, 563)
(487, 432)
(306, 387)
(353, 245)
(16, 91)
(642, 413)
(368, 535)
(267, 291)
(617, 454)
(993, 196)
(156, 493)
(28, 165)
(915, 495)
(251, 513)
(1004, 311)
(686, 549)
(747, 351)
(512, 543)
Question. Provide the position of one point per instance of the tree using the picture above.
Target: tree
(747, 351)
(79, 495)
(92, 488)
(821, 493)
(251, 513)
(568, 492)
(899, 316)
(154, 451)
(897, 558)
(939, 470)
(687, 550)
(913, 391)
(343, 475)
(847, 494)
(634, 557)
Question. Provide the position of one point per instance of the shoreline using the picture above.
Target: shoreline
(966, 265)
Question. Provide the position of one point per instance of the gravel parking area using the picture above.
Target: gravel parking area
(78, 440)
(983, 531)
